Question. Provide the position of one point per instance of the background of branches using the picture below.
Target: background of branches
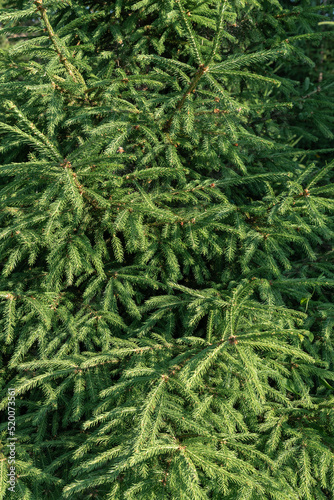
(166, 248)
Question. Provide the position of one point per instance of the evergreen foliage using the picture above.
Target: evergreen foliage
(167, 249)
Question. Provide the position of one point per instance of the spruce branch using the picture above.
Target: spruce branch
(199, 73)
(218, 35)
(191, 35)
(71, 70)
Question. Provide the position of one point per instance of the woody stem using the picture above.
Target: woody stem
(74, 74)
(201, 70)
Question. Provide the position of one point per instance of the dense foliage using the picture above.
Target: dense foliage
(166, 245)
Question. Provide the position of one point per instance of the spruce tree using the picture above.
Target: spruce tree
(167, 249)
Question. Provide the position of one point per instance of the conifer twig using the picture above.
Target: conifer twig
(199, 73)
(71, 70)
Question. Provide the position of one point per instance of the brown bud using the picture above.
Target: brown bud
(233, 339)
